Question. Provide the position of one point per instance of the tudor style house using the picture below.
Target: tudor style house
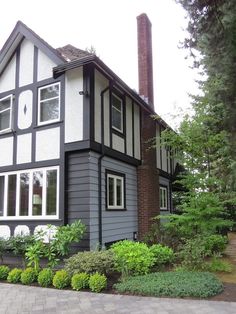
(73, 142)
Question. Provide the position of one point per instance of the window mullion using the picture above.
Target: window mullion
(5, 196)
(17, 194)
(30, 193)
(44, 201)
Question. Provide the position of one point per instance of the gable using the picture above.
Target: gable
(7, 79)
(22, 33)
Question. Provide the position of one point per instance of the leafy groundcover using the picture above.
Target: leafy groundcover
(173, 284)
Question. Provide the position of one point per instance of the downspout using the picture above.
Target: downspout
(100, 170)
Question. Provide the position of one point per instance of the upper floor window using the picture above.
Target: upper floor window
(49, 103)
(117, 113)
(163, 198)
(5, 113)
(115, 191)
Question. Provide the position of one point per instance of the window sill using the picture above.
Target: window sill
(29, 219)
(119, 133)
(45, 125)
(116, 209)
(6, 132)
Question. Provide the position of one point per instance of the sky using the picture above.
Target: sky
(111, 28)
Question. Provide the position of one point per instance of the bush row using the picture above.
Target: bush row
(60, 279)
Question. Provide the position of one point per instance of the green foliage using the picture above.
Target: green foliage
(3, 248)
(219, 265)
(4, 271)
(90, 262)
(80, 281)
(163, 254)
(132, 258)
(45, 277)
(173, 284)
(97, 282)
(20, 243)
(61, 279)
(215, 243)
(34, 253)
(193, 253)
(66, 235)
(28, 276)
(14, 275)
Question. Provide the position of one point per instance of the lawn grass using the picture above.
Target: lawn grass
(173, 284)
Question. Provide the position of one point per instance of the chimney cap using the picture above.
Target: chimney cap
(144, 16)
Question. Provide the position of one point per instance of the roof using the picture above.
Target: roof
(70, 53)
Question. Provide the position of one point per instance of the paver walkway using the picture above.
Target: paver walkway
(25, 299)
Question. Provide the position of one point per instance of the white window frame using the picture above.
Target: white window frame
(115, 177)
(42, 101)
(30, 215)
(121, 112)
(163, 198)
(10, 109)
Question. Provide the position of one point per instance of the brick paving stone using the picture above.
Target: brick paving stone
(26, 300)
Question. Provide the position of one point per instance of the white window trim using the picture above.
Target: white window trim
(30, 216)
(10, 109)
(42, 101)
(115, 177)
(163, 193)
(121, 111)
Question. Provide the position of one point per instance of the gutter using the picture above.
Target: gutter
(100, 169)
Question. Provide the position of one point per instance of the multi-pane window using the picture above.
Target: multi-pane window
(163, 198)
(29, 194)
(49, 104)
(115, 191)
(5, 113)
(117, 113)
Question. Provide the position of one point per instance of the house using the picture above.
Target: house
(73, 142)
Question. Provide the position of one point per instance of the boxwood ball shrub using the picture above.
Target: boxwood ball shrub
(61, 279)
(4, 271)
(132, 258)
(173, 284)
(163, 254)
(45, 277)
(28, 276)
(14, 275)
(80, 281)
(97, 282)
(90, 262)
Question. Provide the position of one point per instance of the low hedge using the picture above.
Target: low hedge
(173, 284)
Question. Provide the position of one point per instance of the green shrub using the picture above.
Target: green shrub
(193, 253)
(28, 276)
(4, 271)
(163, 254)
(14, 275)
(80, 281)
(90, 262)
(218, 265)
(173, 284)
(61, 279)
(3, 247)
(215, 243)
(45, 277)
(97, 282)
(132, 258)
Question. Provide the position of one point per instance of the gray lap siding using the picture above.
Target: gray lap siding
(83, 198)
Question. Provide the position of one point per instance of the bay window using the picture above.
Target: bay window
(29, 194)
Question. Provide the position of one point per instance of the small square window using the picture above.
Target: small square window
(5, 113)
(163, 198)
(49, 104)
(117, 113)
(115, 191)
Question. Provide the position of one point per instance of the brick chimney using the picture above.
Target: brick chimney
(145, 68)
(148, 175)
